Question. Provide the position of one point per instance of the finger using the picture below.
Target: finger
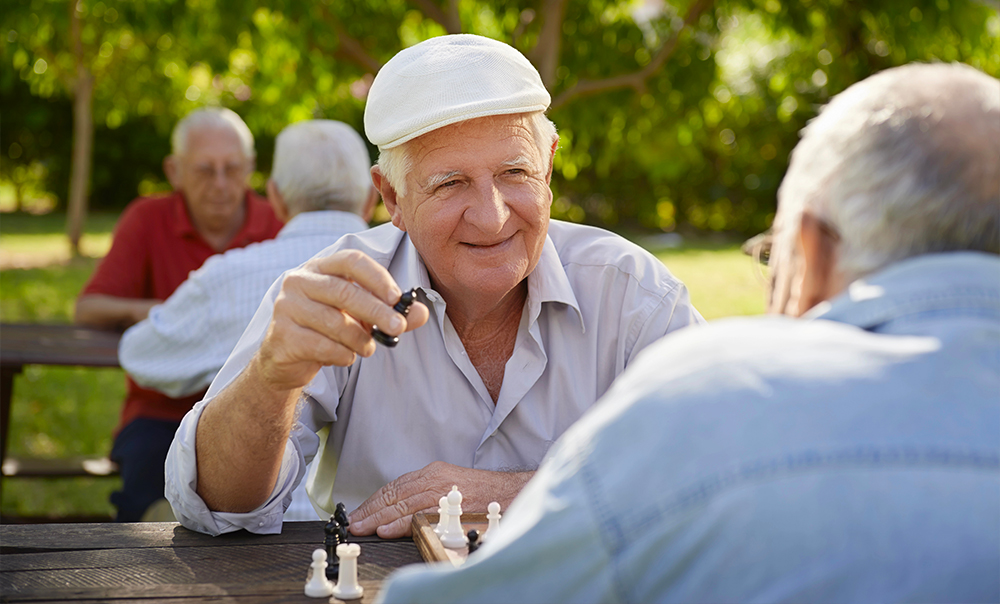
(342, 293)
(401, 527)
(294, 309)
(360, 268)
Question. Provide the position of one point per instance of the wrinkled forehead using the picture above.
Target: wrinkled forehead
(214, 143)
(487, 141)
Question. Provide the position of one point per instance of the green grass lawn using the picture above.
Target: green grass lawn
(70, 411)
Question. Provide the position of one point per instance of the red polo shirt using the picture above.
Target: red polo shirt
(155, 246)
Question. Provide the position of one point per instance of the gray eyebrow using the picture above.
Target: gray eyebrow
(520, 160)
(435, 179)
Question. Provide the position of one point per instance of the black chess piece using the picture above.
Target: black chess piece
(340, 514)
(473, 536)
(403, 308)
(334, 531)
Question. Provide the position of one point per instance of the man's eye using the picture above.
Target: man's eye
(517, 171)
(449, 183)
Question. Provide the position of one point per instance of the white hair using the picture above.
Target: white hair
(322, 165)
(901, 164)
(211, 117)
(396, 162)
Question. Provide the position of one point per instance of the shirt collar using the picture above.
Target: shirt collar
(547, 283)
(322, 222)
(932, 282)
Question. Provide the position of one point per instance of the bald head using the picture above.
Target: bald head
(900, 164)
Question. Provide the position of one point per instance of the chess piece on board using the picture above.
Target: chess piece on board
(442, 515)
(493, 516)
(403, 308)
(453, 537)
(318, 586)
(340, 515)
(473, 536)
(336, 534)
(348, 587)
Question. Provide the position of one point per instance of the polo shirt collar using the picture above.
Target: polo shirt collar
(254, 228)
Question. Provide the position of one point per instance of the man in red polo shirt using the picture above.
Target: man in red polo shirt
(157, 242)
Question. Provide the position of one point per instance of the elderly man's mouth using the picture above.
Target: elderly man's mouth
(486, 247)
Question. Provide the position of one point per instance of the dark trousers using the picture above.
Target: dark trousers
(140, 451)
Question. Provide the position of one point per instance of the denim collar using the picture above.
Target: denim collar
(960, 282)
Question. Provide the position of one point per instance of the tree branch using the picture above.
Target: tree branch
(450, 21)
(546, 51)
(348, 47)
(636, 79)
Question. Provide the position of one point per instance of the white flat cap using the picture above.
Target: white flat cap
(449, 79)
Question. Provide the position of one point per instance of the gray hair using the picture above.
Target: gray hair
(211, 117)
(901, 164)
(322, 165)
(396, 162)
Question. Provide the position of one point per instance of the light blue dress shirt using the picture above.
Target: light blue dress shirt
(850, 457)
(184, 342)
(594, 301)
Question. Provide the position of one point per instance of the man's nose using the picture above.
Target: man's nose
(488, 210)
(219, 178)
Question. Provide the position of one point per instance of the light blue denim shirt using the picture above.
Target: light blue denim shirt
(851, 457)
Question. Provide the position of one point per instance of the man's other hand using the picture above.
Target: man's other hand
(390, 510)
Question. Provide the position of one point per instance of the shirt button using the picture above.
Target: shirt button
(261, 523)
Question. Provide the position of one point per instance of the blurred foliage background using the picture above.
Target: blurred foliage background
(674, 115)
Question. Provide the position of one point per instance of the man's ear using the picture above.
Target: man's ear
(368, 210)
(389, 197)
(277, 201)
(552, 159)
(172, 170)
(821, 280)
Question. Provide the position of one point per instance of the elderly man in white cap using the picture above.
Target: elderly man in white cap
(528, 322)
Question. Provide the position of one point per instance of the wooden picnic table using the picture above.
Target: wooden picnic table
(162, 562)
(41, 344)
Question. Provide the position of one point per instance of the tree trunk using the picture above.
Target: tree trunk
(83, 139)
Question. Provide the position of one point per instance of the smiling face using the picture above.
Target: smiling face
(476, 205)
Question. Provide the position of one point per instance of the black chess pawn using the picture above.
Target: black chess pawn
(403, 308)
(473, 536)
(334, 537)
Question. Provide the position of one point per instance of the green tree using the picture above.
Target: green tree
(672, 115)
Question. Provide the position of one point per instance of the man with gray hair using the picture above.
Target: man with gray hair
(159, 240)
(849, 455)
(527, 321)
(320, 185)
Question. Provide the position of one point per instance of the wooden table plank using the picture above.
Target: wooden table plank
(26, 538)
(163, 562)
(37, 344)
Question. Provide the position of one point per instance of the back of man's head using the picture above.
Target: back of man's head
(209, 118)
(901, 164)
(322, 165)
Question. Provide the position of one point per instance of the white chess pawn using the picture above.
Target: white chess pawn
(493, 516)
(453, 537)
(318, 586)
(347, 587)
(442, 515)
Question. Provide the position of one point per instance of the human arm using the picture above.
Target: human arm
(184, 342)
(389, 511)
(322, 316)
(110, 312)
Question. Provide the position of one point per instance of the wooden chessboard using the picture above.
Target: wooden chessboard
(429, 544)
